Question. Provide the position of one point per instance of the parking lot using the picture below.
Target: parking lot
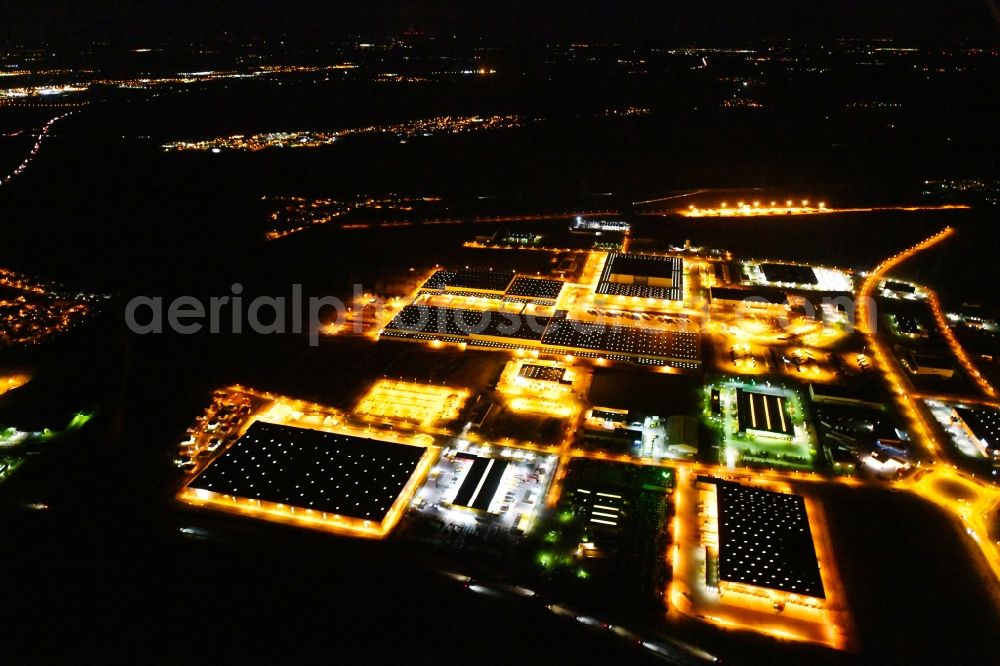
(510, 511)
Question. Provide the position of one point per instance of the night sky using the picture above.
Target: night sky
(129, 22)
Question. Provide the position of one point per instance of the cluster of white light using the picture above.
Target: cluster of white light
(604, 508)
(630, 340)
(766, 540)
(337, 476)
(461, 323)
(535, 288)
(34, 149)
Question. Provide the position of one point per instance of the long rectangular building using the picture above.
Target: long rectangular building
(481, 483)
(458, 324)
(789, 274)
(763, 413)
(473, 281)
(678, 348)
(553, 335)
(754, 297)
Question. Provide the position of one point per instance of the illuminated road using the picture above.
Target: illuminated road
(741, 474)
(392, 224)
(969, 499)
(565, 453)
(668, 198)
(46, 128)
(899, 384)
(956, 348)
(756, 210)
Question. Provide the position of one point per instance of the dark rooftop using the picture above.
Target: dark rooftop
(644, 265)
(628, 340)
(459, 322)
(860, 391)
(481, 483)
(763, 412)
(789, 273)
(535, 288)
(334, 473)
(765, 540)
(984, 424)
(901, 287)
(481, 280)
(769, 294)
(475, 280)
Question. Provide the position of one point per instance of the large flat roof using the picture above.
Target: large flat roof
(480, 483)
(641, 268)
(646, 265)
(763, 412)
(757, 293)
(460, 322)
(470, 279)
(333, 473)
(899, 286)
(984, 424)
(439, 279)
(865, 392)
(790, 273)
(510, 330)
(627, 340)
(545, 373)
(535, 288)
(765, 540)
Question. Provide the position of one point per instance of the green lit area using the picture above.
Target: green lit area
(9, 465)
(747, 447)
(79, 420)
(608, 531)
(11, 436)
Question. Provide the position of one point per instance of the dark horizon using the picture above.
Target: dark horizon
(131, 24)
